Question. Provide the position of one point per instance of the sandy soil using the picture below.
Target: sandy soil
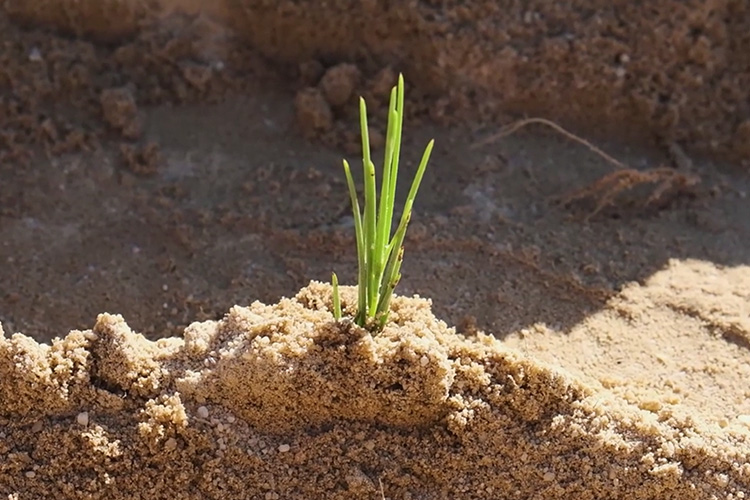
(602, 326)
(672, 70)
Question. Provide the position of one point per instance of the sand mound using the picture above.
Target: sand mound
(279, 401)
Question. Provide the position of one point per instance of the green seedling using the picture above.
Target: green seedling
(380, 253)
(336, 298)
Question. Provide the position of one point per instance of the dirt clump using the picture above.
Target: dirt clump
(327, 110)
(339, 83)
(141, 159)
(314, 114)
(121, 112)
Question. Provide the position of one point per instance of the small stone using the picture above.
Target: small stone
(119, 108)
(30, 474)
(37, 426)
(284, 448)
(202, 412)
(83, 418)
(549, 476)
(170, 444)
(35, 55)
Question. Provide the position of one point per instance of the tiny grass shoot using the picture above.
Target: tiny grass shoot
(380, 253)
(336, 297)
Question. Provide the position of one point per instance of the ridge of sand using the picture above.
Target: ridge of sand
(278, 401)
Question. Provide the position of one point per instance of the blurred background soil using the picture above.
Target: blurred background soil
(166, 160)
(669, 69)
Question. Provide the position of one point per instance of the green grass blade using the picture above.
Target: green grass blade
(384, 304)
(336, 298)
(390, 176)
(361, 248)
(370, 213)
(395, 251)
(370, 217)
(392, 272)
(397, 147)
(387, 193)
(415, 186)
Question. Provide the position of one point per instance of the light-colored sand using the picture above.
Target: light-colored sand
(277, 401)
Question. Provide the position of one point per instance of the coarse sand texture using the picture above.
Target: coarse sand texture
(280, 401)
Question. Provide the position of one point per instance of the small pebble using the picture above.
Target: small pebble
(170, 444)
(549, 476)
(35, 55)
(30, 474)
(202, 412)
(37, 426)
(83, 418)
(230, 419)
(284, 448)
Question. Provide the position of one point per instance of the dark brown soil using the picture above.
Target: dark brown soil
(672, 70)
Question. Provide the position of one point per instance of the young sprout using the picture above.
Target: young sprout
(380, 253)
(336, 298)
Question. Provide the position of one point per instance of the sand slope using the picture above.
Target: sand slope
(277, 401)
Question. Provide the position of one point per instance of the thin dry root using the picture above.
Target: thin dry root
(605, 190)
(514, 127)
